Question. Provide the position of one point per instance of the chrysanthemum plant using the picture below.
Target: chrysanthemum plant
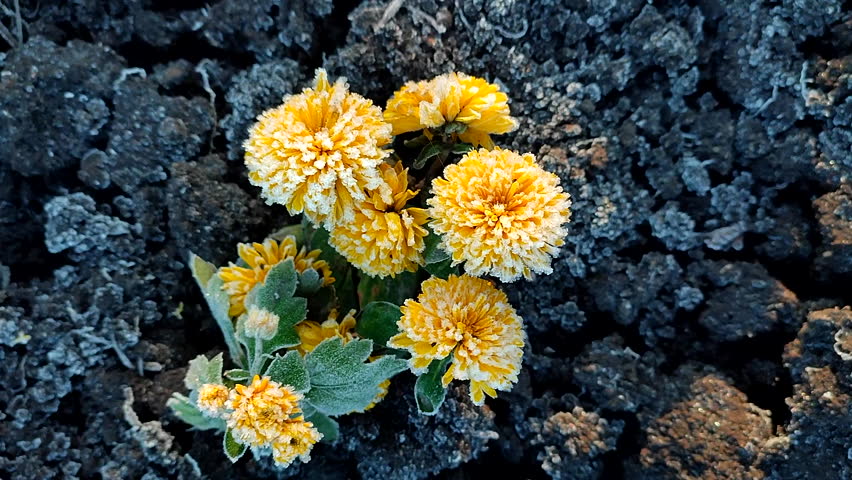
(374, 247)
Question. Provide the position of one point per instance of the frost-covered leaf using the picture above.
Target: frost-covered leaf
(442, 269)
(325, 425)
(237, 375)
(296, 231)
(429, 392)
(290, 370)
(455, 127)
(217, 299)
(341, 381)
(378, 322)
(429, 151)
(394, 290)
(203, 370)
(461, 148)
(233, 450)
(432, 252)
(309, 281)
(279, 284)
(186, 410)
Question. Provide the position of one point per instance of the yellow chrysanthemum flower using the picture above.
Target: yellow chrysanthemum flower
(259, 258)
(318, 151)
(211, 399)
(312, 333)
(500, 213)
(267, 414)
(468, 318)
(385, 238)
(452, 97)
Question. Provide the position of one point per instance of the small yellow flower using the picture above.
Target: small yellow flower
(312, 333)
(318, 151)
(211, 399)
(259, 258)
(267, 414)
(385, 238)
(470, 319)
(261, 323)
(452, 97)
(500, 213)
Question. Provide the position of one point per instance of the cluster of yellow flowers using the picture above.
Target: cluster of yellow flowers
(324, 153)
(262, 415)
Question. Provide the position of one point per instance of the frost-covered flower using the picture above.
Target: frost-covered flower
(259, 258)
(267, 414)
(385, 238)
(452, 97)
(470, 319)
(319, 151)
(500, 213)
(313, 333)
(261, 323)
(211, 399)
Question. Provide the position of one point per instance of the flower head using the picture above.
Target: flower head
(501, 213)
(470, 319)
(452, 97)
(261, 323)
(385, 238)
(267, 414)
(259, 258)
(211, 399)
(318, 151)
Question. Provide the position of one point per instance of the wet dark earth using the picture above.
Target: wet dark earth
(697, 325)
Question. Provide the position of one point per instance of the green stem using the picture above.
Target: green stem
(257, 361)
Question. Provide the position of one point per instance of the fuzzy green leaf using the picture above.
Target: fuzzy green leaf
(341, 381)
(185, 409)
(378, 322)
(326, 426)
(280, 283)
(429, 151)
(201, 371)
(309, 281)
(433, 253)
(442, 269)
(290, 370)
(297, 231)
(290, 311)
(233, 450)
(461, 148)
(394, 290)
(237, 375)
(217, 299)
(416, 142)
(429, 392)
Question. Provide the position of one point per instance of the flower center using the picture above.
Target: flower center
(494, 212)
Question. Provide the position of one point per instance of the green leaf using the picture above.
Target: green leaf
(378, 322)
(461, 148)
(217, 299)
(433, 253)
(238, 375)
(201, 371)
(297, 231)
(394, 290)
(185, 409)
(429, 151)
(309, 281)
(429, 392)
(280, 283)
(290, 311)
(233, 450)
(326, 426)
(290, 370)
(341, 381)
(442, 269)
(455, 127)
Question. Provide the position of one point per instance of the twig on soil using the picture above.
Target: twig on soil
(201, 68)
(16, 39)
(391, 10)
